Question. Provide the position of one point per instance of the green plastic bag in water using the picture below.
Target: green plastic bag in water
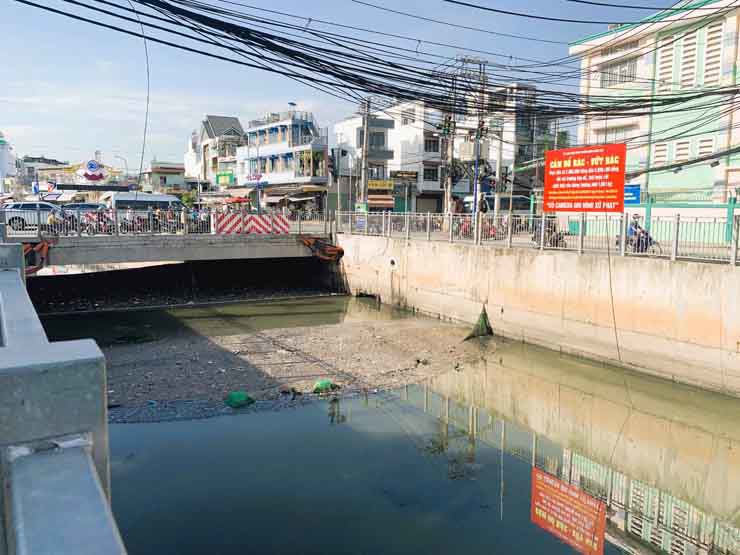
(238, 399)
(324, 386)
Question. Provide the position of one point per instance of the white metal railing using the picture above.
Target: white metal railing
(678, 237)
(33, 225)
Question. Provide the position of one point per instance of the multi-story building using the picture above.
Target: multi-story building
(286, 156)
(350, 138)
(7, 165)
(29, 166)
(671, 55)
(408, 137)
(211, 154)
(164, 177)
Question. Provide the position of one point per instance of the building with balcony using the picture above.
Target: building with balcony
(671, 54)
(29, 166)
(408, 138)
(285, 155)
(350, 138)
(211, 155)
(164, 177)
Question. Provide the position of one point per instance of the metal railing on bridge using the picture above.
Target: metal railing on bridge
(34, 225)
(687, 238)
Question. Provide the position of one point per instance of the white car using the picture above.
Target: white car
(22, 215)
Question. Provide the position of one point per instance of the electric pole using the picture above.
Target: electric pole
(365, 148)
(448, 130)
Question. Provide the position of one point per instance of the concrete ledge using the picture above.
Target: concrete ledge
(57, 506)
(155, 248)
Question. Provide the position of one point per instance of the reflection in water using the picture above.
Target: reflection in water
(110, 328)
(440, 467)
(634, 455)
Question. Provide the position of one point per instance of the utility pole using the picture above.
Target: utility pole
(448, 130)
(365, 148)
(478, 135)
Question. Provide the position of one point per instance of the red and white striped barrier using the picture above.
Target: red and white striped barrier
(234, 224)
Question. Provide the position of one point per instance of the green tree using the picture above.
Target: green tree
(188, 199)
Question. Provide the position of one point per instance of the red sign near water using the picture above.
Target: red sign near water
(585, 179)
(568, 513)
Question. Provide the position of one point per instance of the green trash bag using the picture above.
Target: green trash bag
(324, 386)
(238, 399)
(482, 327)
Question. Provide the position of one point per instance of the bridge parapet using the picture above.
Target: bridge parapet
(54, 466)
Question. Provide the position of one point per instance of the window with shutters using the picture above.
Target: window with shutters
(660, 154)
(713, 54)
(665, 65)
(681, 150)
(688, 60)
(706, 146)
(618, 73)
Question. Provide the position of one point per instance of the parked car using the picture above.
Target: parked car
(74, 207)
(22, 215)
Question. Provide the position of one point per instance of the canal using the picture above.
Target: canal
(517, 449)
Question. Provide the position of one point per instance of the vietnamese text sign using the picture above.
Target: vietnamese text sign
(585, 179)
(568, 513)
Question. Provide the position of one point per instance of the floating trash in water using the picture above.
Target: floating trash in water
(238, 399)
(324, 386)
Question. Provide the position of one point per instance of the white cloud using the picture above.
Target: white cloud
(72, 121)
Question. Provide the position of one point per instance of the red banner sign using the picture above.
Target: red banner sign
(568, 513)
(585, 179)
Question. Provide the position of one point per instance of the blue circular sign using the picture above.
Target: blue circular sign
(92, 166)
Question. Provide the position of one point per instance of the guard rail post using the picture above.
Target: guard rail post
(429, 226)
(150, 220)
(581, 231)
(3, 228)
(115, 221)
(79, 223)
(451, 221)
(213, 218)
(408, 225)
(326, 221)
(509, 233)
(543, 222)
(623, 223)
(38, 220)
(734, 242)
(676, 230)
(299, 223)
(382, 224)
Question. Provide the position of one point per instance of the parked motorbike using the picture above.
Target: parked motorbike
(641, 242)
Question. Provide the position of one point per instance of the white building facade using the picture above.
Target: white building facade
(408, 137)
(285, 156)
(8, 170)
(211, 154)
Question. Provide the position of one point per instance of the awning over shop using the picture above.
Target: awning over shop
(273, 199)
(380, 201)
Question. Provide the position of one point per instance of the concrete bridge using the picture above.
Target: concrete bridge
(181, 248)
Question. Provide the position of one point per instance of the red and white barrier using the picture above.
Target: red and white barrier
(235, 224)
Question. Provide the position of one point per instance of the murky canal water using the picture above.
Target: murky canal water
(523, 451)
(620, 464)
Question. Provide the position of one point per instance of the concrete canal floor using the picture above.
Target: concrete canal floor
(265, 348)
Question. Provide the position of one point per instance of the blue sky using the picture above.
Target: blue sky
(69, 88)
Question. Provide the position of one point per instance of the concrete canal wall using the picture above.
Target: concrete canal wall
(678, 320)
